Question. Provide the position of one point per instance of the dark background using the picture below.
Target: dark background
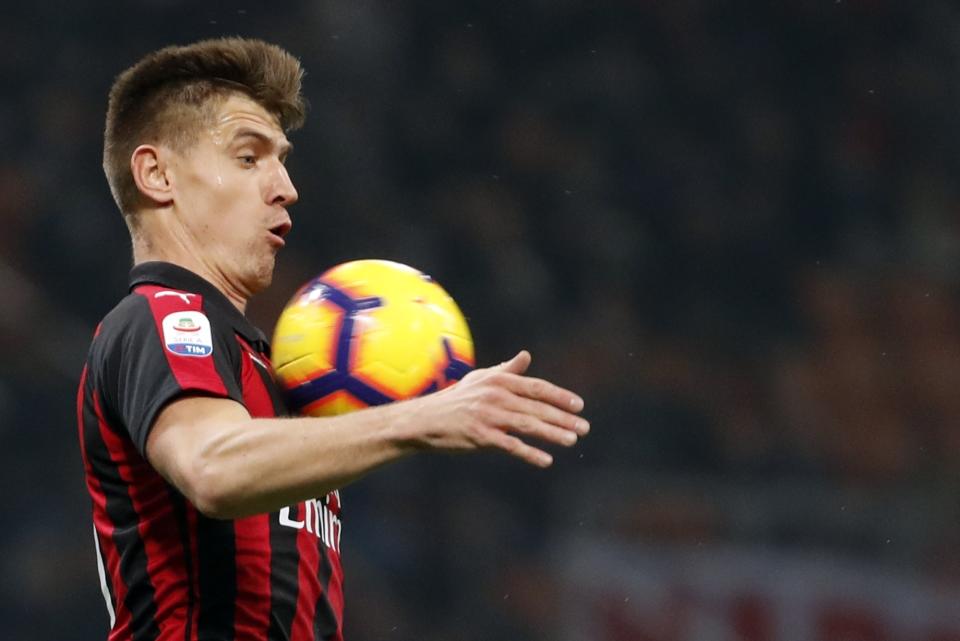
(733, 227)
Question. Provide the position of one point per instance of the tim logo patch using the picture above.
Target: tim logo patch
(187, 334)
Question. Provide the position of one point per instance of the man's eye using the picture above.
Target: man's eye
(248, 160)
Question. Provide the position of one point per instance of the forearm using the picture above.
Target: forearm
(245, 466)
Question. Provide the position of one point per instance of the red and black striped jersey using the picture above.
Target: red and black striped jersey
(167, 571)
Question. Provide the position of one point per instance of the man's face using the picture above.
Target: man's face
(231, 191)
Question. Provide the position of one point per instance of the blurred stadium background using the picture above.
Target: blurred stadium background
(734, 227)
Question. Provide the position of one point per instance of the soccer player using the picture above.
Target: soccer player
(206, 514)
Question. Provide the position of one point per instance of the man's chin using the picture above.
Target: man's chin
(259, 280)
(264, 281)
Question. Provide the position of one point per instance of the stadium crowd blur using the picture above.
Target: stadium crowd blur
(733, 227)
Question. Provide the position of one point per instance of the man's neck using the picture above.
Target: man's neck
(145, 252)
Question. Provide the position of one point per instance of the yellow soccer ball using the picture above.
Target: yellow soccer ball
(365, 333)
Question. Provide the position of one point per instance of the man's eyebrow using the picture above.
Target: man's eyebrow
(285, 147)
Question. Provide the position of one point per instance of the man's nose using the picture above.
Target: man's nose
(282, 191)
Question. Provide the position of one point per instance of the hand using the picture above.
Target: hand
(490, 407)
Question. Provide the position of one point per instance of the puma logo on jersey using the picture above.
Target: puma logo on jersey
(182, 295)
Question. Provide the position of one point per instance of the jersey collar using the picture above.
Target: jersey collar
(176, 277)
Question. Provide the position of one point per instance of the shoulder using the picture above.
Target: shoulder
(153, 310)
(145, 306)
(160, 300)
(129, 315)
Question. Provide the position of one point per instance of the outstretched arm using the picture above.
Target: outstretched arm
(230, 465)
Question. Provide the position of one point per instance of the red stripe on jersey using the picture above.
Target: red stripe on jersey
(103, 526)
(83, 445)
(256, 398)
(335, 584)
(310, 588)
(157, 527)
(252, 614)
(195, 564)
(111, 566)
(335, 591)
(111, 555)
(196, 373)
(253, 553)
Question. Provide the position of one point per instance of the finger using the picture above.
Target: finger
(518, 364)
(531, 426)
(549, 414)
(544, 391)
(523, 451)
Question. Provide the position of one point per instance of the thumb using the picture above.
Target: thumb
(518, 364)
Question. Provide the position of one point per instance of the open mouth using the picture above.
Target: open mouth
(277, 232)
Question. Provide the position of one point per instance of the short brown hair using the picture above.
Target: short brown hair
(170, 94)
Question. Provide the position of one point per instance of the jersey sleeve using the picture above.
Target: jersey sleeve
(163, 349)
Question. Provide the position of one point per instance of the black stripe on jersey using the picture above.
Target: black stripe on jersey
(217, 574)
(140, 598)
(284, 579)
(324, 619)
(180, 509)
(227, 359)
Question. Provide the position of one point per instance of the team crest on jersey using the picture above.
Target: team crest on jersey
(187, 334)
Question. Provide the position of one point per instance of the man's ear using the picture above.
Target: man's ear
(149, 168)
